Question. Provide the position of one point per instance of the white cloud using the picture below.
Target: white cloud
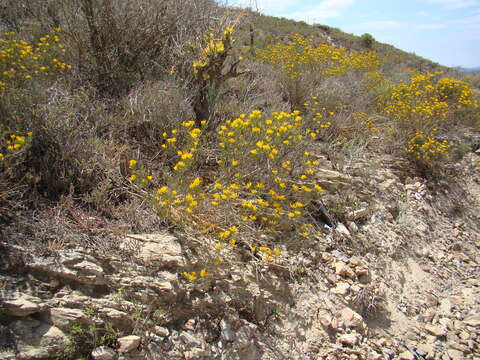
(322, 11)
(455, 4)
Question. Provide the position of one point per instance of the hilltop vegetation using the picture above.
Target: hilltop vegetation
(211, 122)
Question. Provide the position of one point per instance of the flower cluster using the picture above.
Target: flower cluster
(300, 55)
(427, 100)
(427, 146)
(212, 55)
(13, 145)
(21, 61)
(422, 105)
(364, 123)
(263, 183)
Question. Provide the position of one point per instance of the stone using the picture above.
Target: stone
(195, 353)
(325, 319)
(161, 331)
(343, 269)
(327, 257)
(22, 305)
(226, 331)
(349, 339)
(406, 355)
(103, 353)
(347, 318)
(190, 340)
(38, 340)
(189, 325)
(359, 214)
(455, 354)
(118, 318)
(70, 265)
(437, 331)
(128, 343)
(64, 317)
(473, 320)
(341, 289)
(160, 249)
(425, 350)
(431, 300)
(428, 315)
(355, 261)
(342, 229)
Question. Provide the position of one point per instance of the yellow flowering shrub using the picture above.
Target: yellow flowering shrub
(11, 147)
(262, 189)
(21, 61)
(303, 65)
(422, 106)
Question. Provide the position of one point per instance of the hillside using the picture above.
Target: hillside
(181, 180)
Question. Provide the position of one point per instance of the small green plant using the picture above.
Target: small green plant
(367, 40)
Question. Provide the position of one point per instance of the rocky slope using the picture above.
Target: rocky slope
(398, 279)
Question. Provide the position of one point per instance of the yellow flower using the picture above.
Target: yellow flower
(194, 184)
(203, 273)
(133, 177)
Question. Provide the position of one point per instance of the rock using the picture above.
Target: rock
(455, 354)
(22, 305)
(118, 318)
(195, 353)
(438, 331)
(227, 332)
(473, 320)
(327, 257)
(325, 319)
(161, 331)
(190, 340)
(70, 265)
(160, 249)
(38, 340)
(358, 214)
(342, 229)
(352, 227)
(128, 343)
(245, 336)
(189, 325)
(347, 318)
(64, 317)
(431, 300)
(349, 339)
(103, 353)
(355, 261)
(425, 350)
(330, 179)
(343, 269)
(428, 315)
(406, 355)
(341, 289)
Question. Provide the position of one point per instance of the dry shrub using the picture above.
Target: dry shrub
(114, 44)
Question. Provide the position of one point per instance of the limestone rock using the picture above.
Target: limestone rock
(473, 320)
(103, 353)
(349, 339)
(341, 289)
(435, 330)
(406, 355)
(347, 318)
(161, 249)
(64, 317)
(22, 305)
(38, 340)
(128, 343)
(71, 265)
(343, 269)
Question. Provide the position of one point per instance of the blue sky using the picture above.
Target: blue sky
(445, 31)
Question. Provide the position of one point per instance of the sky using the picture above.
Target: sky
(445, 31)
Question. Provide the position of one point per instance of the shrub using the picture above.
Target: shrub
(302, 65)
(422, 108)
(262, 182)
(367, 40)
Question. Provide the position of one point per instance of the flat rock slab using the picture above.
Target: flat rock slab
(162, 249)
